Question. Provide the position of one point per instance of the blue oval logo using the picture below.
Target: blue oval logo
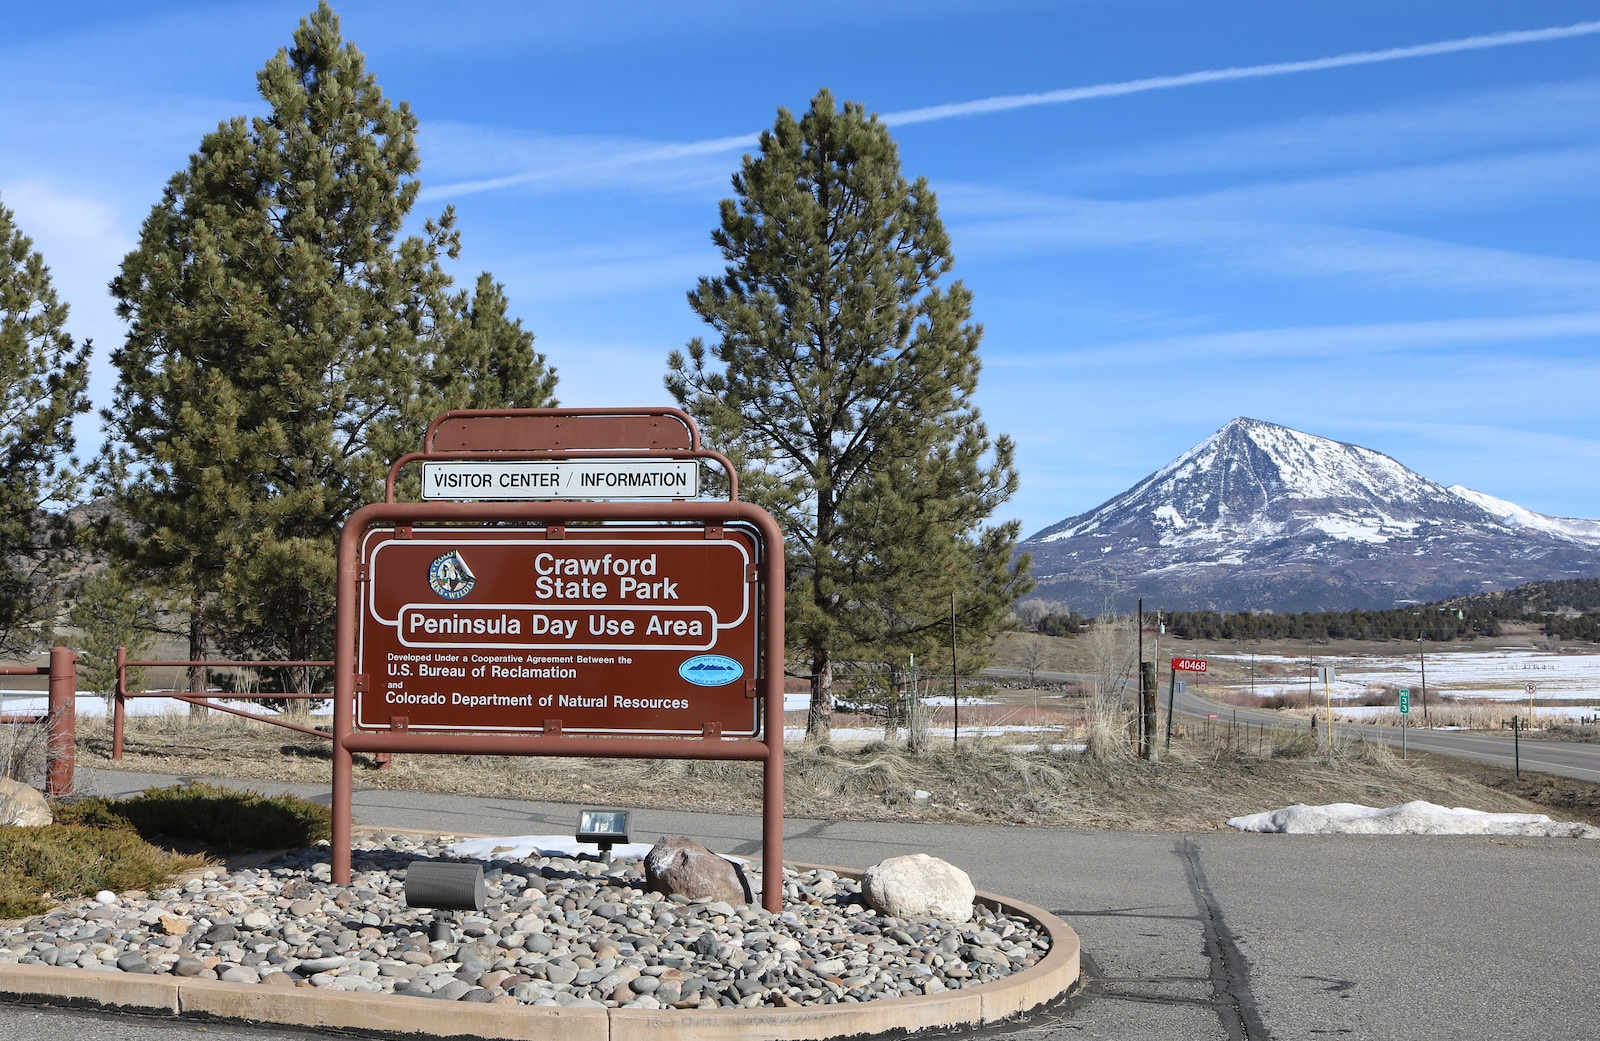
(710, 670)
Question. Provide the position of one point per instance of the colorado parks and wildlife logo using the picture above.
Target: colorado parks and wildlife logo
(450, 577)
(710, 670)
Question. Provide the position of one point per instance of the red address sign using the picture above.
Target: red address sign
(1188, 665)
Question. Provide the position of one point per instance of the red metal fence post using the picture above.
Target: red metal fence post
(61, 745)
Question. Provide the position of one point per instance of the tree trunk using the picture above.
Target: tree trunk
(299, 709)
(197, 651)
(894, 704)
(819, 718)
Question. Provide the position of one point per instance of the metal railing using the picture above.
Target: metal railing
(206, 700)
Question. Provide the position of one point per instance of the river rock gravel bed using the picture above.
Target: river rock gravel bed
(555, 930)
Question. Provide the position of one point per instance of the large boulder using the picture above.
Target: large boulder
(918, 886)
(22, 805)
(682, 867)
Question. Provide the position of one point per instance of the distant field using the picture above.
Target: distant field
(1485, 671)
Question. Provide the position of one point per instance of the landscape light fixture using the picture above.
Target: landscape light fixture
(442, 888)
(603, 828)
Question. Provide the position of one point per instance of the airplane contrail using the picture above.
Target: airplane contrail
(1007, 102)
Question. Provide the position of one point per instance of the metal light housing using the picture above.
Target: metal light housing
(603, 828)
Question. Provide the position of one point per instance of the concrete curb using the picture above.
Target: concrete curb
(398, 1015)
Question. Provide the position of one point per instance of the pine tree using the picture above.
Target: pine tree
(43, 379)
(285, 345)
(492, 360)
(841, 386)
(110, 612)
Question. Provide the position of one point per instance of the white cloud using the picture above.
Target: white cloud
(1324, 341)
(83, 241)
(1279, 246)
(1009, 102)
(1542, 115)
(1463, 187)
(578, 157)
(602, 270)
(473, 159)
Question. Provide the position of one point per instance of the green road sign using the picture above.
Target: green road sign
(1405, 701)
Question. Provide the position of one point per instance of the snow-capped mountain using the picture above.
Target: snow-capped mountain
(1259, 516)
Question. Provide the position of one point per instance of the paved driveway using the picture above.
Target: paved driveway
(1217, 935)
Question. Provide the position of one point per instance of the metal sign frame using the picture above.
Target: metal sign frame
(573, 426)
(593, 430)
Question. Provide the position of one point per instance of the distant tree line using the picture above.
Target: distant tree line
(1069, 624)
(1430, 622)
(1567, 610)
(1048, 617)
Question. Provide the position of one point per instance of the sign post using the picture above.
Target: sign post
(1532, 689)
(495, 618)
(1405, 714)
(1179, 665)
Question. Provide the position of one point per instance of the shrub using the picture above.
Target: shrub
(219, 818)
(75, 859)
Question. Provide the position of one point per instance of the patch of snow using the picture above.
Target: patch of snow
(1498, 675)
(1514, 516)
(32, 702)
(1047, 748)
(1167, 515)
(1413, 818)
(520, 847)
(844, 735)
(1358, 713)
(802, 701)
(1352, 529)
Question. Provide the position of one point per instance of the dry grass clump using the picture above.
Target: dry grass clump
(22, 751)
(1566, 730)
(1488, 715)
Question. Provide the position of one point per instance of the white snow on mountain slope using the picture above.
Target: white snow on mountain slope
(1514, 516)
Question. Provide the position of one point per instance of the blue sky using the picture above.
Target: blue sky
(1398, 250)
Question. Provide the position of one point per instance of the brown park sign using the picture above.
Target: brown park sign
(625, 630)
(564, 589)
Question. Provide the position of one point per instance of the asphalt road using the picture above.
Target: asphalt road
(1566, 758)
(1209, 936)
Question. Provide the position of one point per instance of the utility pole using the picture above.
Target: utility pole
(955, 675)
(1139, 659)
(1424, 659)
